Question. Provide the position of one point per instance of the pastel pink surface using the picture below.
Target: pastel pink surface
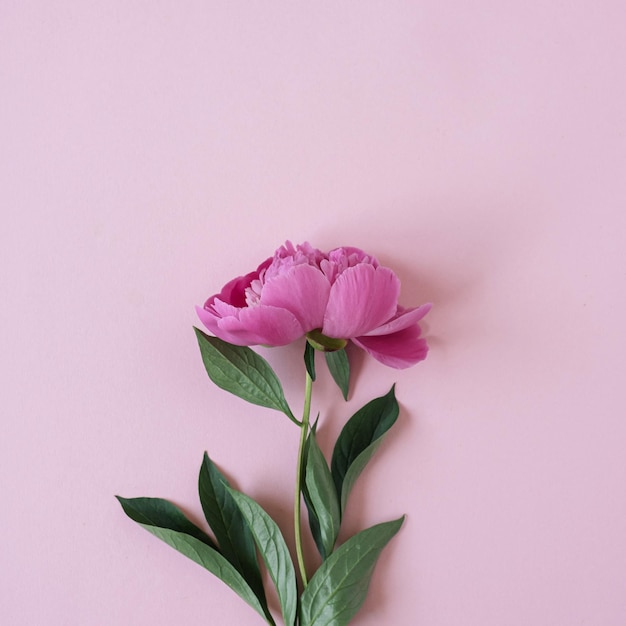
(150, 153)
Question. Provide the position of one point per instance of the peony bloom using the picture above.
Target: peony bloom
(342, 295)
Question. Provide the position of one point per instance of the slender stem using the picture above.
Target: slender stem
(304, 430)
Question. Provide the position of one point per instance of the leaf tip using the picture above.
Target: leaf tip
(125, 504)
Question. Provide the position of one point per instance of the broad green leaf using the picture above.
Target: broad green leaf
(273, 549)
(355, 469)
(339, 368)
(339, 587)
(162, 514)
(229, 527)
(309, 359)
(322, 496)
(358, 441)
(143, 510)
(242, 372)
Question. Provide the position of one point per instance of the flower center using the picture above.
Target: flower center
(253, 292)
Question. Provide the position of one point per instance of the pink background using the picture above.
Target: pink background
(153, 150)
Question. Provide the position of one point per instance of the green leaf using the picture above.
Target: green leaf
(359, 439)
(242, 372)
(339, 587)
(227, 523)
(339, 368)
(309, 360)
(313, 521)
(322, 498)
(163, 520)
(275, 553)
(162, 514)
(314, 524)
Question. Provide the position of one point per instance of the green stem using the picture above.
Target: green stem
(304, 430)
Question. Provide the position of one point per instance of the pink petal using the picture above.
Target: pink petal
(403, 319)
(400, 350)
(273, 326)
(207, 318)
(340, 259)
(303, 290)
(221, 309)
(361, 299)
(232, 332)
(253, 325)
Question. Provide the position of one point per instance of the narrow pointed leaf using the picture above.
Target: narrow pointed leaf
(312, 516)
(322, 495)
(359, 439)
(339, 587)
(314, 524)
(242, 372)
(229, 527)
(274, 552)
(141, 510)
(309, 359)
(339, 368)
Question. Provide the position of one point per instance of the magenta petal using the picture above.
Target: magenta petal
(361, 299)
(403, 319)
(303, 290)
(234, 292)
(400, 350)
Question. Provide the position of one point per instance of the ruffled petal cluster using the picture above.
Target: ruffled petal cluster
(343, 294)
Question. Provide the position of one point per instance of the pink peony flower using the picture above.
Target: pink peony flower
(343, 295)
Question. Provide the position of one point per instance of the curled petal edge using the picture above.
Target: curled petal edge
(399, 350)
(403, 319)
